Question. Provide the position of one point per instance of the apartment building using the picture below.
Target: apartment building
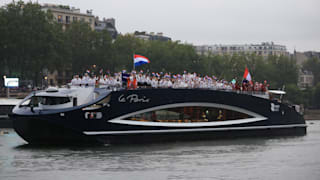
(66, 15)
(264, 49)
(107, 24)
(305, 79)
(151, 36)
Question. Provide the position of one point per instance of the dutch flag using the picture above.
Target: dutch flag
(139, 60)
(247, 75)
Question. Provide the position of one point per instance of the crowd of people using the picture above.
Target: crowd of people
(134, 80)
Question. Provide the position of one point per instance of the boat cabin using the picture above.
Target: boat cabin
(61, 98)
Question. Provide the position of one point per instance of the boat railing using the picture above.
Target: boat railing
(253, 93)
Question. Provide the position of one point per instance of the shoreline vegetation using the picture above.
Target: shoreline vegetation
(33, 44)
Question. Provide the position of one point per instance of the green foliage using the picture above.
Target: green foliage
(31, 42)
(26, 36)
(277, 70)
(313, 65)
(294, 94)
(317, 96)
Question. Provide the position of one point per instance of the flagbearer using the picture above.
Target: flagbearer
(132, 82)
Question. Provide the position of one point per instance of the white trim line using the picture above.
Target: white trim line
(190, 130)
(190, 124)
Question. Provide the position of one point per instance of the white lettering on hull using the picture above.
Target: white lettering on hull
(133, 98)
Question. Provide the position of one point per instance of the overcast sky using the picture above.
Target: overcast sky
(294, 23)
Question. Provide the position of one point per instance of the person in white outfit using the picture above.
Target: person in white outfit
(76, 81)
(85, 80)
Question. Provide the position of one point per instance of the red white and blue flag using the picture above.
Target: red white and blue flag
(247, 75)
(139, 60)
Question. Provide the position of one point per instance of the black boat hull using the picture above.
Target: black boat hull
(72, 126)
(41, 133)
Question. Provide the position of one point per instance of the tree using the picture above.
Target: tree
(313, 65)
(27, 39)
(294, 94)
(124, 47)
(79, 41)
(317, 96)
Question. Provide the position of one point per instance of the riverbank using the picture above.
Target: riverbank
(6, 106)
(5, 121)
(312, 114)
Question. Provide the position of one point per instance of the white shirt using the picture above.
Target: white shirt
(85, 80)
(75, 81)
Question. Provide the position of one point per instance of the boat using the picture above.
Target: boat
(77, 115)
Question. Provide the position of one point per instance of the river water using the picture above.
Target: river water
(251, 158)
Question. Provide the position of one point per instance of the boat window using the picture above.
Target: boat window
(105, 101)
(26, 102)
(33, 101)
(100, 104)
(189, 114)
(54, 100)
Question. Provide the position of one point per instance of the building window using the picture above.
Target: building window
(189, 114)
(82, 19)
(67, 19)
(74, 18)
(60, 20)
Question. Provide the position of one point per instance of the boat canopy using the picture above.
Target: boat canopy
(64, 97)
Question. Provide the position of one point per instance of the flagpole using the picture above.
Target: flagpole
(133, 62)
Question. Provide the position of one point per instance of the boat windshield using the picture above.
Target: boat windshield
(32, 101)
(46, 100)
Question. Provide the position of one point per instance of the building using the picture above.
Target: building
(300, 58)
(305, 79)
(264, 49)
(311, 54)
(66, 15)
(151, 36)
(107, 24)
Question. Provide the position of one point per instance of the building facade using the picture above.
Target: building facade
(305, 79)
(106, 24)
(66, 15)
(151, 36)
(300, 58)
(264, 49)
